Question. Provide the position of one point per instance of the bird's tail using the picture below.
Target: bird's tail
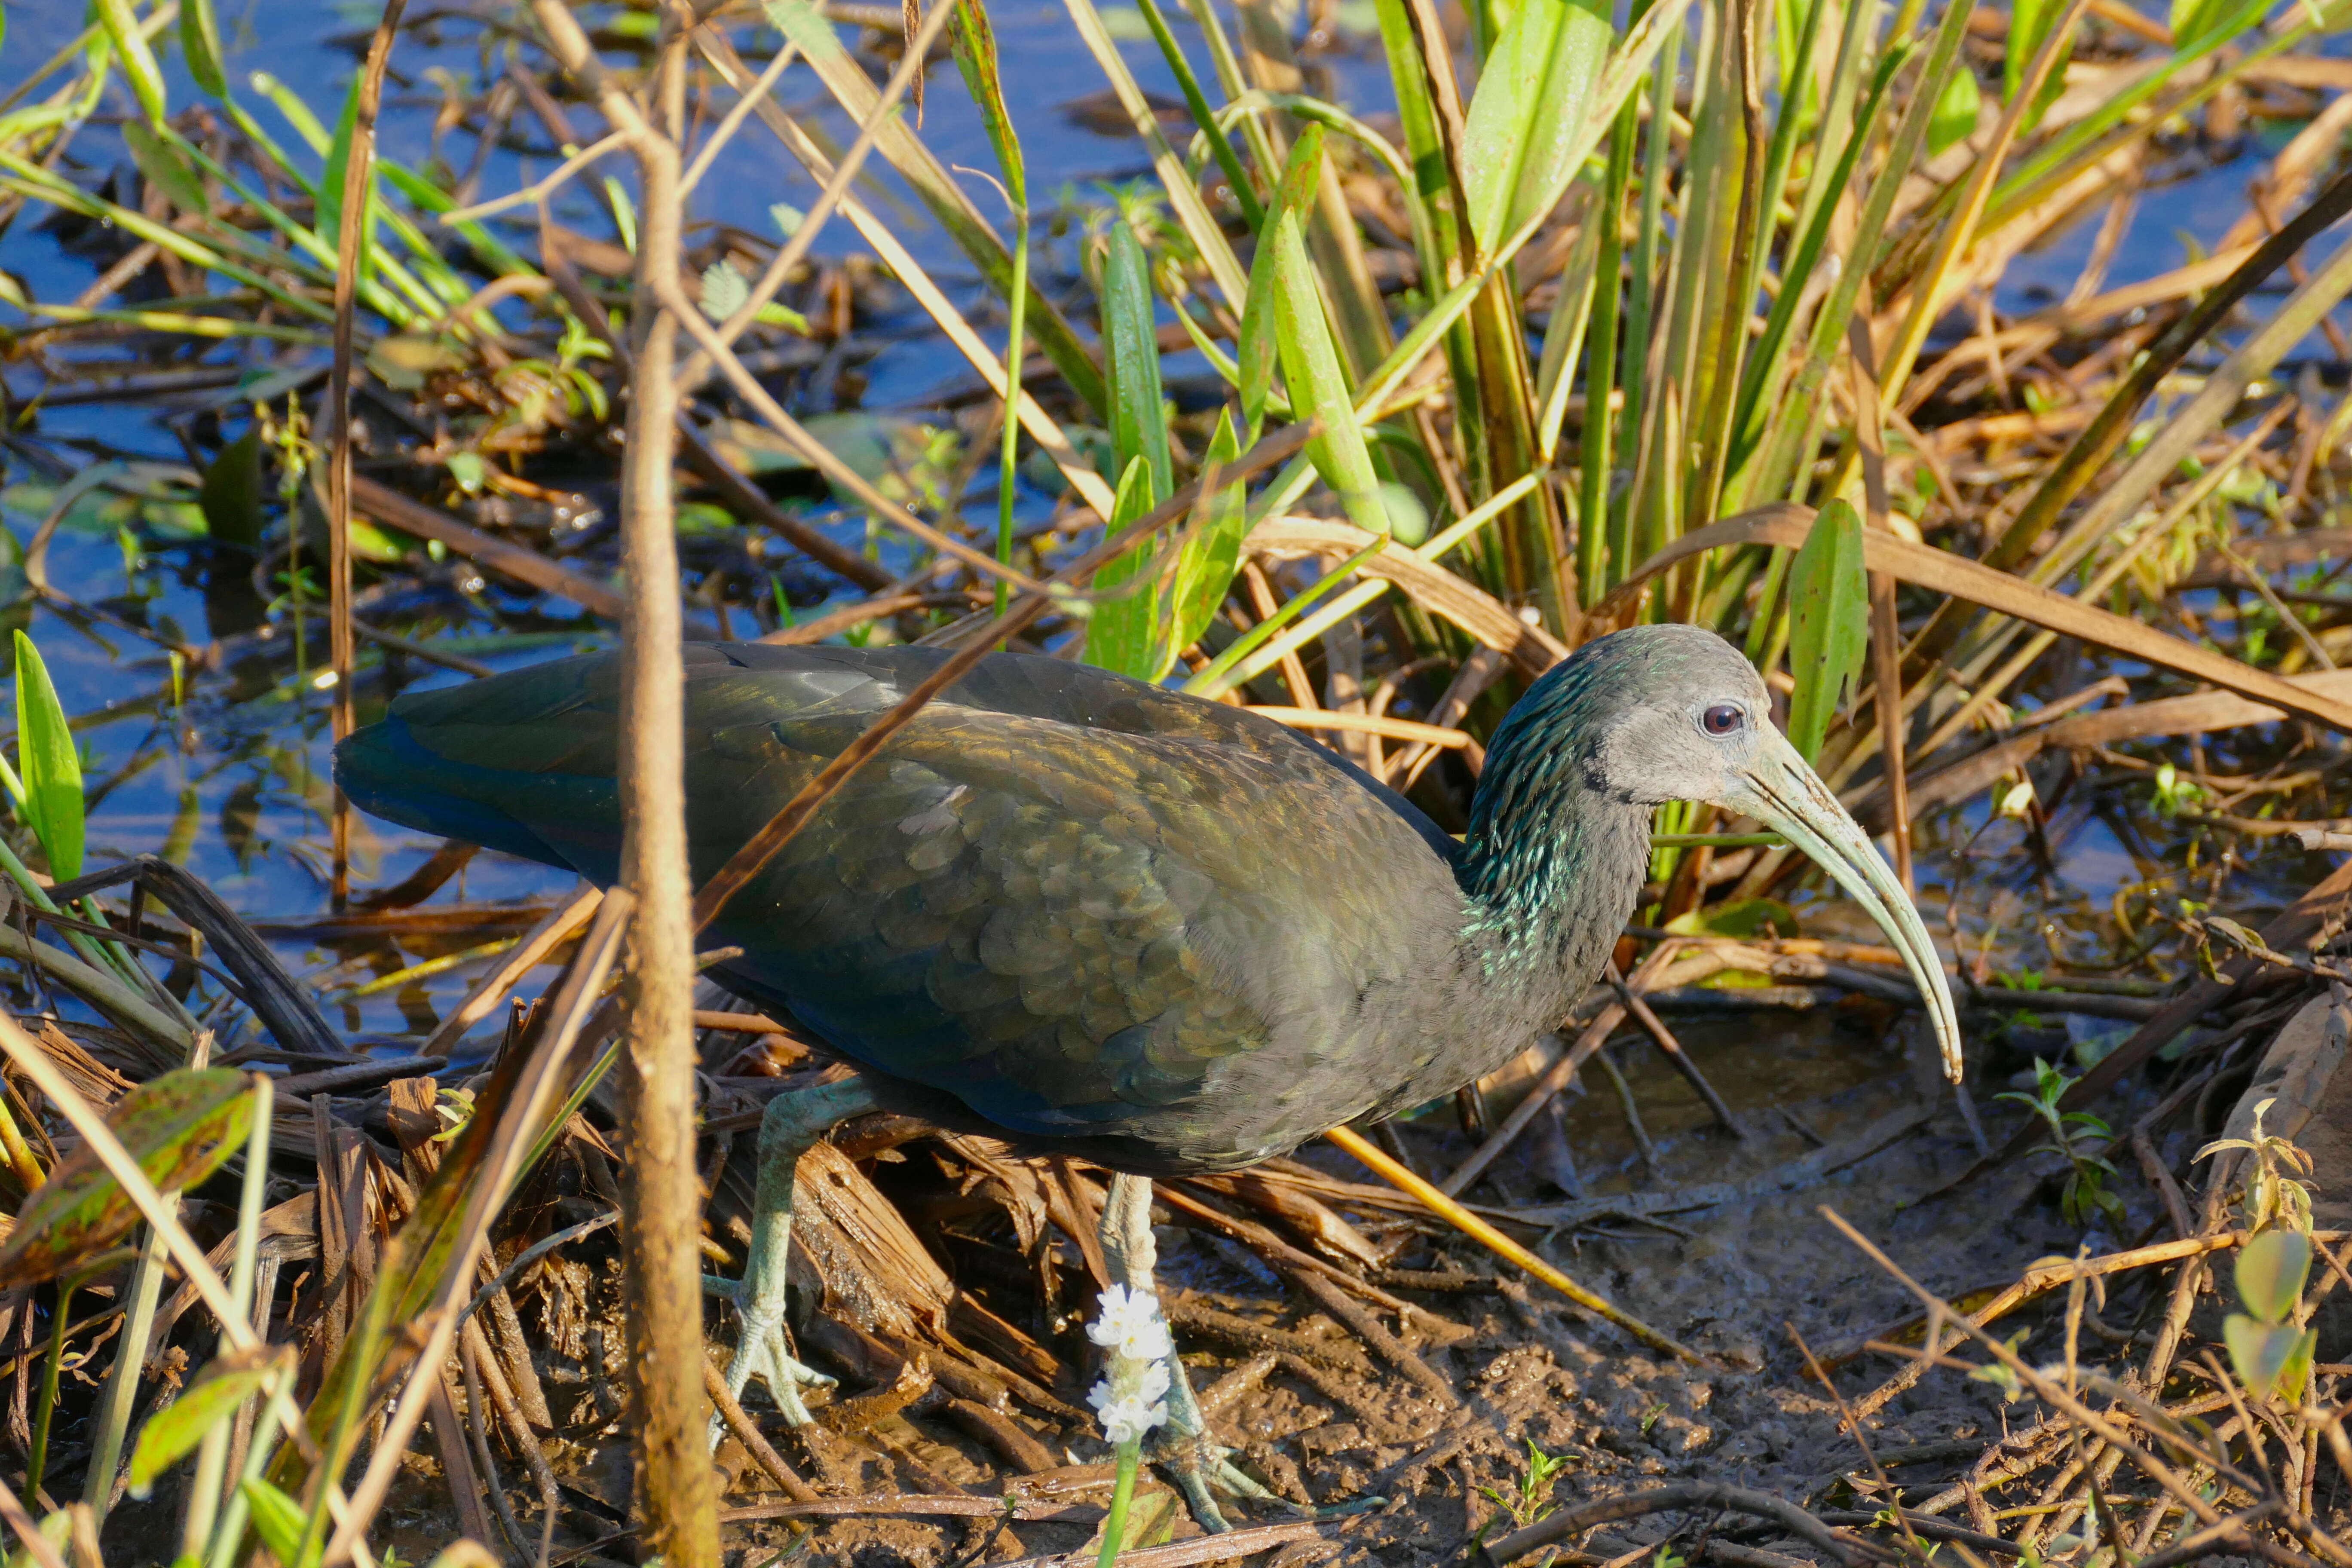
(519, 762)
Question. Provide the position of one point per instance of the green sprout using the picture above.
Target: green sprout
(1531, 1499)
(2069, 1134)
(2272, 1199)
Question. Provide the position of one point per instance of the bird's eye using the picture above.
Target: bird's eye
(1722, 718)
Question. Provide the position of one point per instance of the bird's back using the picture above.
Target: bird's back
(1082, 912)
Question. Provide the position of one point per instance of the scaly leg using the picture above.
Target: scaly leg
(1184, 1448)
(792, 1123)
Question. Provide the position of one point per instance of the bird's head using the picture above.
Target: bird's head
(1659, 713)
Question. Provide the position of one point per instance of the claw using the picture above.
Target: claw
(1198, 1467)
(760, 1353)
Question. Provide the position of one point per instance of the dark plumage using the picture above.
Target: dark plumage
(1098, 917)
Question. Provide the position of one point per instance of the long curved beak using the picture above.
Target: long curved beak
(1785, 793)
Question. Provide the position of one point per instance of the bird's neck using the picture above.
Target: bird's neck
(1551, 870)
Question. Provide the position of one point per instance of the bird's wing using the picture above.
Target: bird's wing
(1107, 933)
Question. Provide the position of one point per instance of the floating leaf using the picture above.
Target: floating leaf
(1828, 600)
(787, 218)
(2271, 1271)
(50, 764)
(121, 21)
(178, 1128)
(176, 1430)
(230, 498)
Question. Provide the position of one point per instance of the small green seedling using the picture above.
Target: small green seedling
(2271, 1350)
(2173, 793)
(1531, 1499)
(2273, 1199)
(2070, 1134)
(2000, 1374)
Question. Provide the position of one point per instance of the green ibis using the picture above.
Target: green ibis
(1092, 916)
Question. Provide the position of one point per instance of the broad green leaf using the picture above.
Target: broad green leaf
(1123, 633)
(213, 1398)
(1139, 423)
(1206, 571)
(1302, 336)
(49, 763)
(2269, 1356)
(1523, 121)
(231, 496)
(975, 54)
(2030, 22)
(179, 1127)
(1955, 112)
(276, 1519)
(1829, 607)
(121, 20)
(200, 45)
(2271, 1271)
(329, 222)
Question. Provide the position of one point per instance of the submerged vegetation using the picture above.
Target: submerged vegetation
(1357, 407)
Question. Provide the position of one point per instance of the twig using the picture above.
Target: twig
(755, 1442)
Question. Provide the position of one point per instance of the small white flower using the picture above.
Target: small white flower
(1124, 1416)
(1130, 1325)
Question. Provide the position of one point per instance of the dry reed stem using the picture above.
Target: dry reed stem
(661, 1234)
(501, 1167)
(350, 240)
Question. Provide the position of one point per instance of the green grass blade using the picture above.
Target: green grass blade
(200, 45)
(1206, 571)
(976, 57)
(1830, 608)
(1183, 193)
(1123, 630)
(2030, 22)
(330, 214)
(1760, 411)
(1138, 424)
(138, 68)
(48, 763)
(1228, 158)
(1596, 567)
(1228, 669)
(946, 199)
(1310, 359)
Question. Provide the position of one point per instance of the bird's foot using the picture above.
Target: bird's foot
(1198, 1467)
(762, 1352)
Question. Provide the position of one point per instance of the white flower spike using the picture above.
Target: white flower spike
(1127, 1401)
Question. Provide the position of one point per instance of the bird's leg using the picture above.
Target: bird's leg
(792, 1123)
(1184, 1448)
